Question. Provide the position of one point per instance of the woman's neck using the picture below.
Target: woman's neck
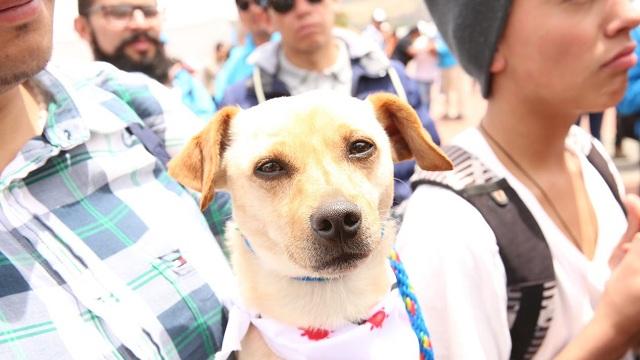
(531, 132)
(529, 140)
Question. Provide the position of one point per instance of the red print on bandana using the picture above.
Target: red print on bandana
(376, 320)
(315, 334)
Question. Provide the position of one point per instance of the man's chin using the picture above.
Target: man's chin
(141, 56)
(153, 62)
(140, 59)
(25, 69)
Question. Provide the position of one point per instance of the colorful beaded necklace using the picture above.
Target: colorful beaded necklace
(412, 306)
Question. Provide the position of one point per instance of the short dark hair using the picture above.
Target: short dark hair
(84, 6)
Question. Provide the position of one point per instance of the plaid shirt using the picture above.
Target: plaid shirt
(102, 255)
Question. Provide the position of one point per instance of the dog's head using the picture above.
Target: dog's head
(311, 176)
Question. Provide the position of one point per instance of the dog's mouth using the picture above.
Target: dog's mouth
(342, 262)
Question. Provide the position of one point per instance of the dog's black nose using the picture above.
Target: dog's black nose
(336, 221)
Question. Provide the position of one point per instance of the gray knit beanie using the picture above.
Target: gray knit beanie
(472, 29)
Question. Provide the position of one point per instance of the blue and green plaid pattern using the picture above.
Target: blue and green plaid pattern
(102, 255)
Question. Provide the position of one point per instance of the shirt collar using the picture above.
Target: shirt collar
(373, 61)
(340, 70)
(63, 129)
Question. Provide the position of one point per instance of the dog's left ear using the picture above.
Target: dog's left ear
(408, 137)
(198, 165)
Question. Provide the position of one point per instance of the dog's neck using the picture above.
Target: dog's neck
(317, 302)
(247, 242)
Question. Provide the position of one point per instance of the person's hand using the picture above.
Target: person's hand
(619, 307)
(615, 327)
(632, 203)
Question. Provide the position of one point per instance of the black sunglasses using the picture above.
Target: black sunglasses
(244, 4)
(284, 6)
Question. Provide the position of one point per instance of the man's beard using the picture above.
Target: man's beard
(156, 67)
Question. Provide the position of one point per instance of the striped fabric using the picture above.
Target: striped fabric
(102, 255)
(469, 172)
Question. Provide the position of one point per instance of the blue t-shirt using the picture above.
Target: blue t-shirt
(194, 95)
(630, 104)
(445, 56)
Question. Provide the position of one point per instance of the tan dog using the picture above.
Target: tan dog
(311, 179)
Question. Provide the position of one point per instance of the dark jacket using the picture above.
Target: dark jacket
(369, 75)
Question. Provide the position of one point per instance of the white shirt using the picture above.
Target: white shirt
(451, 255)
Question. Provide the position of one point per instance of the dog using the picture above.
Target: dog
(311, 181)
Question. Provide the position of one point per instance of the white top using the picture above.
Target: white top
(451, 255)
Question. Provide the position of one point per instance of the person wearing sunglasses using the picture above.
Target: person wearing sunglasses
(126, 34)
(312, 54)
(255, 20)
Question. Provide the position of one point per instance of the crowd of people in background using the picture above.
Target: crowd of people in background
(418, 46)
(131, 40)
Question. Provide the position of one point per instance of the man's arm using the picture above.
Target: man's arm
(160, 109)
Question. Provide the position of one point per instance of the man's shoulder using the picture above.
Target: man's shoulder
(239, 93)
(265, 56)
(100, 77)
(92, 85)
(95, 73)
(132, 97)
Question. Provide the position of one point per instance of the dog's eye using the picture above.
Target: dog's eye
(360, 149)
(270, 169)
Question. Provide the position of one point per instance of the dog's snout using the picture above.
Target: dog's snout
(337, 221)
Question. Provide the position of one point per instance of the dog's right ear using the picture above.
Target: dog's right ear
(198, 165)
(407, 136)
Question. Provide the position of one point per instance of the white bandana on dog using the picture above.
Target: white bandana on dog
(385, 334)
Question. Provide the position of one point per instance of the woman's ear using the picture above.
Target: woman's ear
(499, 62)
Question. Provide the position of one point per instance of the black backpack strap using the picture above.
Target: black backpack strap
(527, 261)
(598, 160)
(264, 86)
(151, 141)
(522, 246)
